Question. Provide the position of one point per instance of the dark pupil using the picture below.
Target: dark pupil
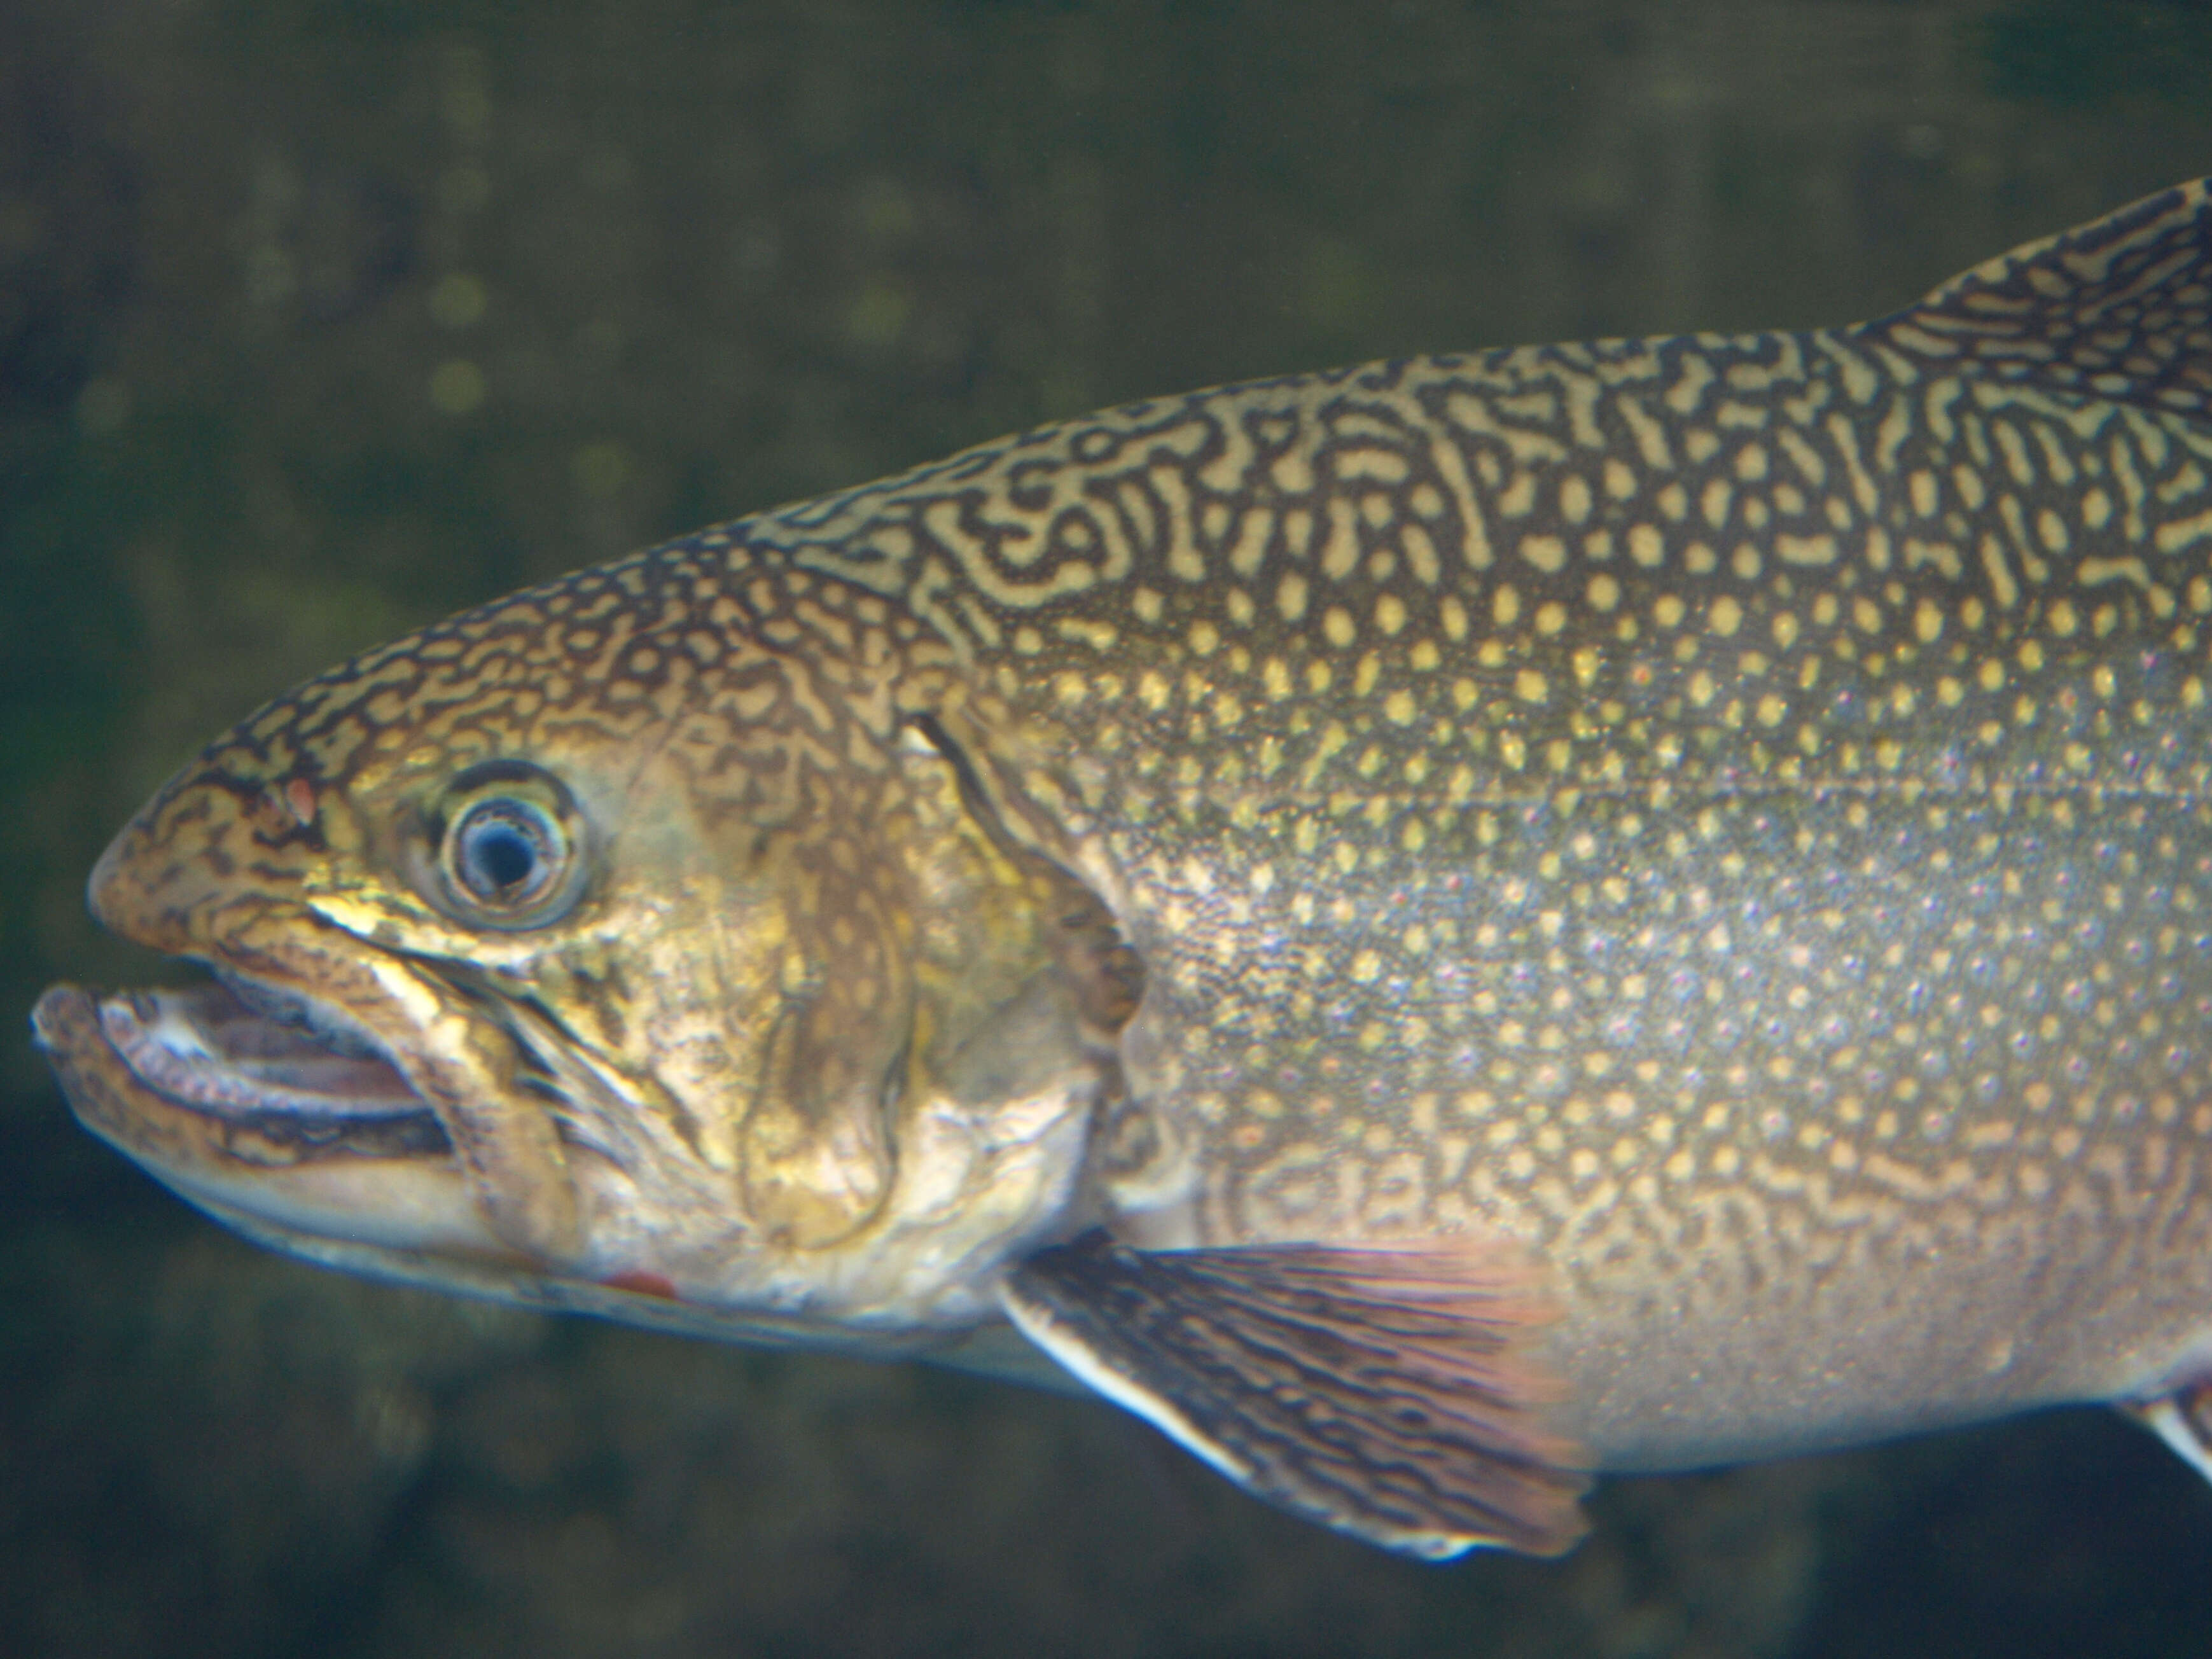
(500, 854)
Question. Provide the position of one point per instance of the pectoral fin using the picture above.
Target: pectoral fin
(2183, 1420)
(1384, 1392)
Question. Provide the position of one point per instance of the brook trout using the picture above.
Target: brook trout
(1433, 929)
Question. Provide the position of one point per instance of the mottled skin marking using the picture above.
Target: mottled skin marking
(1730, 813)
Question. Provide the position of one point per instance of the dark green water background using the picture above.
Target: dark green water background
(318, 319)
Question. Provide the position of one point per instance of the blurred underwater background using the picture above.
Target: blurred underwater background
(319, 318)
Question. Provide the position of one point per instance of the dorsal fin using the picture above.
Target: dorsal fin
(2119, 309)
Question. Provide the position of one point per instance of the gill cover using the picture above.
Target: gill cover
(672, 869)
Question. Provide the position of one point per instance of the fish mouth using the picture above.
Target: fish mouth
(271, 1061)
(251, 1058)
(260, 1104)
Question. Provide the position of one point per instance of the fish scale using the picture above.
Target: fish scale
(1723, 820)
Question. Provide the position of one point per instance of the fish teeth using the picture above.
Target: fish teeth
(208, 1049)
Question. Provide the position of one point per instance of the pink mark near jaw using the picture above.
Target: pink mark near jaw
(643, 1284)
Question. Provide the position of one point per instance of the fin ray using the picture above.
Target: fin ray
(1383, 1391)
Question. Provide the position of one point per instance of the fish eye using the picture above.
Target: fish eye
(505, 851)
(508, 854)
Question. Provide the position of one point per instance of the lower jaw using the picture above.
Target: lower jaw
(390, 1181)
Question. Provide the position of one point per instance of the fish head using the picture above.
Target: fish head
(649, 932)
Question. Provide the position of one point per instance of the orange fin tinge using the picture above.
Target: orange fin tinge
(1383, 1391)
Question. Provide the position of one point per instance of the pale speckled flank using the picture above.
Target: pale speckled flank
(1337, 652)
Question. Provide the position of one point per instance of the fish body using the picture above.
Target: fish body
(1429, 928)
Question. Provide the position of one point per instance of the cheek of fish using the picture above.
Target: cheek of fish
(1428, 929)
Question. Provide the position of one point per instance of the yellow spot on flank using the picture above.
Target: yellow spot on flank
(1726, 616)
(1340, 555)
(1390, 614)
(1926, 623)
(1146, 603)
(1290, 596)
(1530, 686)
(1604, 593)
(1669, 610)
(1383, 465)
(1506, 605)
(1099, 636)
(1337, 626)
(1550, 616)
(2063, 618)
(1812, 551)
(1548, 553)
(1646, 546)
(1421, 555)
(1250, 550)
(1512, 749)
(1400, 707)
(1204, 638)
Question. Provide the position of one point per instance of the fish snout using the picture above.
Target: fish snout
(203, 845)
